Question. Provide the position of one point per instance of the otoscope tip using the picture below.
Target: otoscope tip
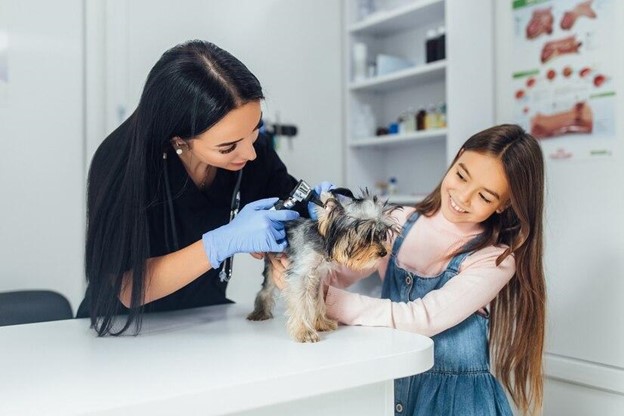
(314, 198)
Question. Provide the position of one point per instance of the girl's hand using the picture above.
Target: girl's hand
(279, 262)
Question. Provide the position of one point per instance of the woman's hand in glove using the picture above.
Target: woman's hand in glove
(256, 228)
(319, 189)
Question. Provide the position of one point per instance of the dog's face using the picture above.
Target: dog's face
(357, 231)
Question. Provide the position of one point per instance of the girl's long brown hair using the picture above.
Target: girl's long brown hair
(518, 313)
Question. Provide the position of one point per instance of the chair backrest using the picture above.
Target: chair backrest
(28, 306)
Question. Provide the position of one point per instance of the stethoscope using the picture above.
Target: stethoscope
(226, 270)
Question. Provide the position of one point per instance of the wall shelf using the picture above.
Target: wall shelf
(431, 72)
(391, 21)
(404, 199)
(392, 140)
(414, 158)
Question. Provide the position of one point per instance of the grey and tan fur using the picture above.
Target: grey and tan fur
(354, 232)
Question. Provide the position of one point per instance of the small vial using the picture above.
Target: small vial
(431, 118)
(420, 119)
(442, 116)
(392, 186)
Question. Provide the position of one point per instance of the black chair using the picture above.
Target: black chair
(28, 306)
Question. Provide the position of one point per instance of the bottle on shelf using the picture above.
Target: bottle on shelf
(408, 121)
(431, 118)
(360, 53)
(441, 43)
(392, 186)
(442, 116)
(401, 122)
(431, 46)
(420, 119)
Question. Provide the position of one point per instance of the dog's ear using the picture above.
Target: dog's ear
(342, 191)
(332, 200)
(330, 205)
(328, 213)
(343, 196)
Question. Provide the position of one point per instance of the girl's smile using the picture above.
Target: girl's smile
(474, 188)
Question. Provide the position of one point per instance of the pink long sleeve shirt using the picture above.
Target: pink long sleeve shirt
(424, 252)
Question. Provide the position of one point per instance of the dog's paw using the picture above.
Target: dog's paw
(325, 324)
(307, 336)
(259, 316)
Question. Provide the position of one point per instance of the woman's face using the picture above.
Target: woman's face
(229, 143)
(474, 188)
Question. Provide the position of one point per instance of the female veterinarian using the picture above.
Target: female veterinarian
(165, 186)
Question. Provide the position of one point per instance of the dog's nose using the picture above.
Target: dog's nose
(382, 252)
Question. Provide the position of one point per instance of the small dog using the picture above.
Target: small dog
(354, 232)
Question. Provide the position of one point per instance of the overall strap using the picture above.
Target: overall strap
(458, 259)
(404, 230)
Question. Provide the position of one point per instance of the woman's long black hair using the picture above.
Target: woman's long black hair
(191, 87)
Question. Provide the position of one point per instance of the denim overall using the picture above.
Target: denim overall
(460, 382)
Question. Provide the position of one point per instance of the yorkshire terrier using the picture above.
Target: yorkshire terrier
(350, 231)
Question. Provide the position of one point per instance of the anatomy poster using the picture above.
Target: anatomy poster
(4, 61)
(563, 70)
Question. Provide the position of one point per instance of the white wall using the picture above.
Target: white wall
(42, 166)
(584, 260)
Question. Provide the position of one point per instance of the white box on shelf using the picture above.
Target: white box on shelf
(388, 63)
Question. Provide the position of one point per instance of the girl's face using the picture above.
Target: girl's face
(474, 188)
(229, 143)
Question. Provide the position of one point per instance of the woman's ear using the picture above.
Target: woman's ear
(179, 145)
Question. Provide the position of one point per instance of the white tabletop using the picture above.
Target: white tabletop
(210, 359)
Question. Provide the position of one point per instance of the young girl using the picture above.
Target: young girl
(467, 264)
(165, 185)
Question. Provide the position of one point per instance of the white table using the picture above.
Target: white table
(205, 361)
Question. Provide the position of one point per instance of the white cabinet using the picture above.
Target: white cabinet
(387, 76)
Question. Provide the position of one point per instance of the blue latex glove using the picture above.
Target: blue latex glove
(255, 229)
(319, 189)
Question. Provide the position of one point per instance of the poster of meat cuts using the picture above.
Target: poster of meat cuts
(563, 68)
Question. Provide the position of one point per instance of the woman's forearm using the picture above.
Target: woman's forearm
(166, 274)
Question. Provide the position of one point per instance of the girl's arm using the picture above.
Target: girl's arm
(474, 287)
(344, 277)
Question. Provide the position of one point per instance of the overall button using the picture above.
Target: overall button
(398, 407)
(408, 280)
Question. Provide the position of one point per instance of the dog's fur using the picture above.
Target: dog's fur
(354, 232)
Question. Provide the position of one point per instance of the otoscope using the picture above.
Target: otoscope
(301, 193)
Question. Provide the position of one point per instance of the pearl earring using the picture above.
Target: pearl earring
(179, 150)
